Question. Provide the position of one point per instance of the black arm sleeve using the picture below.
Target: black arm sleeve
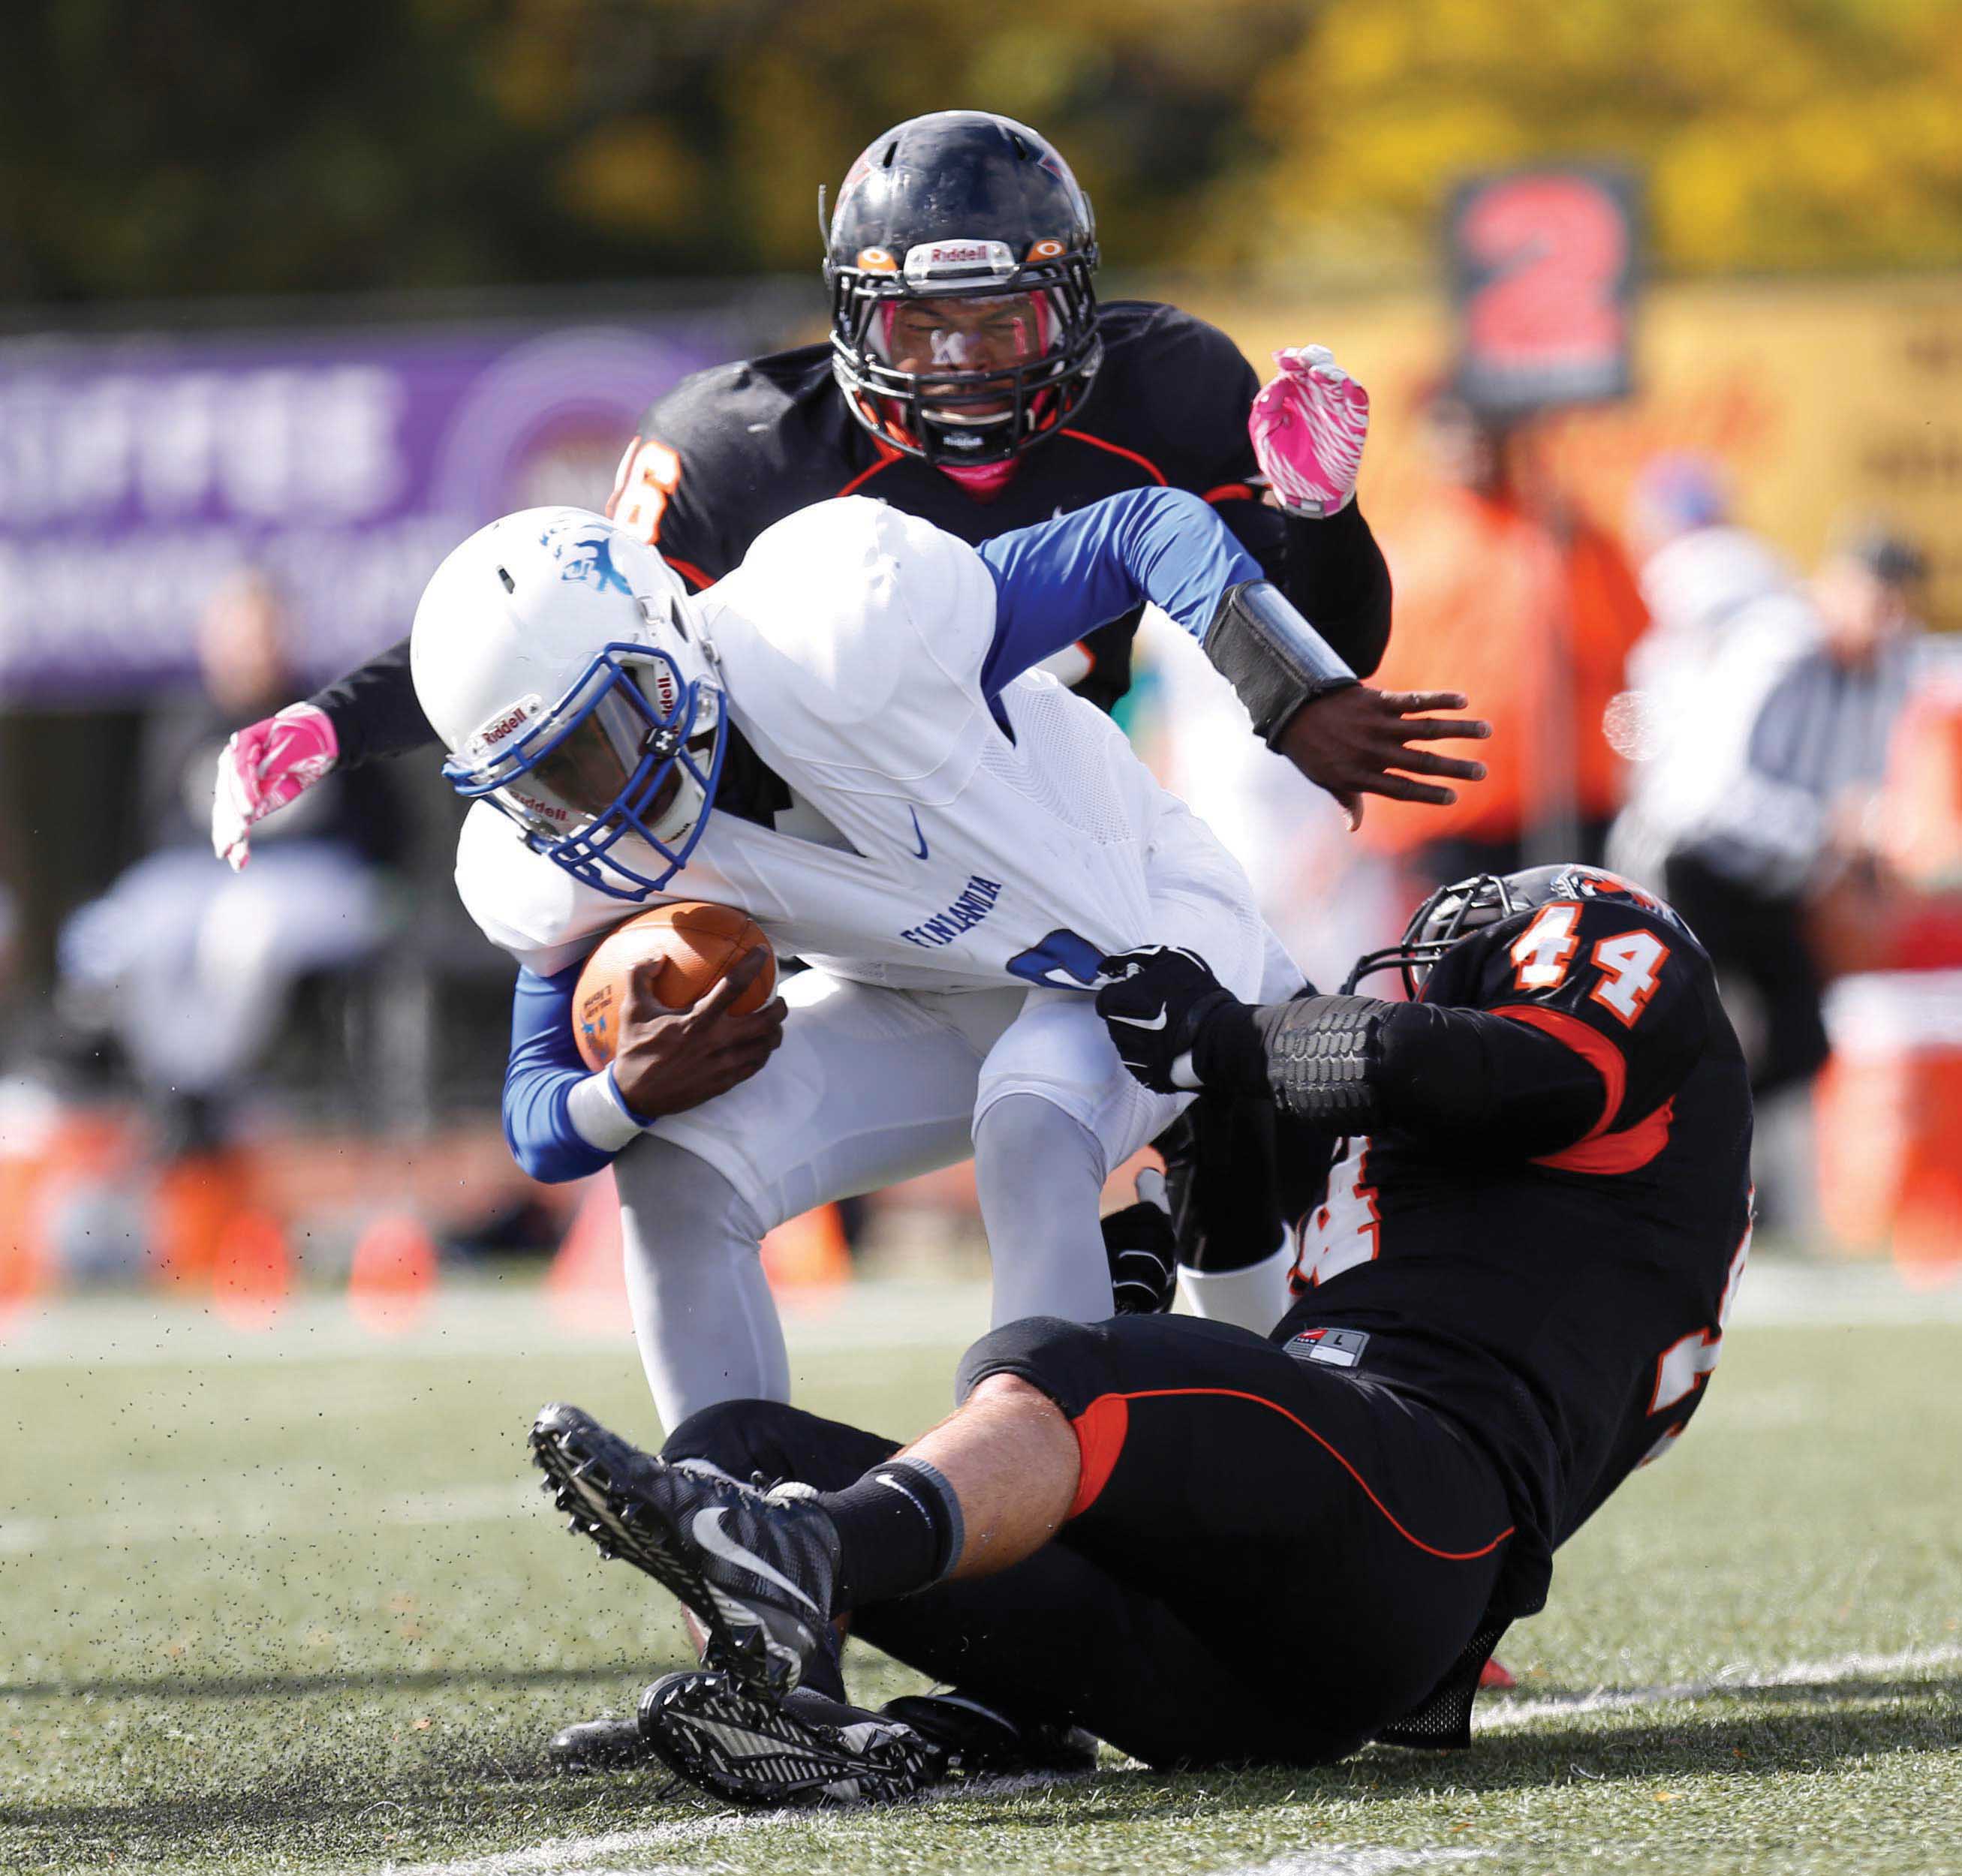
(1464, 1079)
(374, 711)
(1468, 1079)
(1336, 573)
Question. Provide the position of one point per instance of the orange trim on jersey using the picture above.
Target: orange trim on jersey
(1097, 1409)
(689, 570)
(1629, 1151)
(1230, 492)
(886, 458)
(1099, 1431)
(1117, 449)
(1599, 1051)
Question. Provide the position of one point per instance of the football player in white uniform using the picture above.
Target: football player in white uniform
(845, 739)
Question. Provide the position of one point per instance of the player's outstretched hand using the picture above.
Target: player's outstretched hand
(1153, 1003)
(265, 766)
(1358, 741)
(670, 1060)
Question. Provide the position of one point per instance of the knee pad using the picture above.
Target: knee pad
(745, 1438)
(1068, 1361)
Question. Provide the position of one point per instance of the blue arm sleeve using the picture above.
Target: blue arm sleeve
(1062, 579)
(544, 1069)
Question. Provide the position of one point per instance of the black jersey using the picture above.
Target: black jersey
(1550, 1254)
(734, 449)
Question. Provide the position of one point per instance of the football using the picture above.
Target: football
(696, 944)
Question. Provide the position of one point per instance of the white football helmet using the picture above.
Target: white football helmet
(559, 659)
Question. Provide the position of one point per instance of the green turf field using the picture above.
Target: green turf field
(289, 1603)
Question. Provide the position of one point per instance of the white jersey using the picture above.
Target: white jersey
(924, 849)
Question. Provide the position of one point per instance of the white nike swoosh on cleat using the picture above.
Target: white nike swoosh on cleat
(708, 1532)
(1138, 1022)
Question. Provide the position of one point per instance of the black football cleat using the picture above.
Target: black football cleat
(607, 1745)
(758, 1569)
(982, 1741)
(754, 1750)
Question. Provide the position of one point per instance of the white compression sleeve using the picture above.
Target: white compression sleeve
(1255, 1298)
(703, 1314)
(1039, 1172)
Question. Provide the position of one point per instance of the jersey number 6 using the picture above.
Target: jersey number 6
(649, 472)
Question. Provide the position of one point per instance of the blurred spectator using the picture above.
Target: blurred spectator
(186, 965)
(1709, 585)
(1699, 570)
(1504, 591)
(1762, 801)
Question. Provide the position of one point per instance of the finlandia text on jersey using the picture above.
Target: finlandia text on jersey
(976, 900)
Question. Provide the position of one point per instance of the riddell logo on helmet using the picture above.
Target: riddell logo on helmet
(967, 261)
(503, 726)
(541, 809)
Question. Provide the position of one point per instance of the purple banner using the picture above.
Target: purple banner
(139, 474)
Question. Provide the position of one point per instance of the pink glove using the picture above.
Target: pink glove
(1307, 428)
(263, 768)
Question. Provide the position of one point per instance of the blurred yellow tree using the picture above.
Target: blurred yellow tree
(1775, 134)
(181, 147)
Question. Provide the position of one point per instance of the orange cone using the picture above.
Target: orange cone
(391, 1281)
(195, 1202)
(20, 1272)
(21, 1260)
(808, 1252)
(586, 1285)
(252, 1274)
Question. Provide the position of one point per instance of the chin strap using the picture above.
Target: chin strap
(1274, 659)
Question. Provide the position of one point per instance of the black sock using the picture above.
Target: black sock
(898, 1531)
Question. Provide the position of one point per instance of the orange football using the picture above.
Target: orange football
(697, 944)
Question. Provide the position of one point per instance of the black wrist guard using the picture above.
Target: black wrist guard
(1324, 1055)
(1227, 1055)
(1274, 659)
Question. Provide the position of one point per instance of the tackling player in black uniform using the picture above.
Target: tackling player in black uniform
(1510, 1297)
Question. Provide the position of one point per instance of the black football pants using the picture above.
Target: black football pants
(1273, 1559)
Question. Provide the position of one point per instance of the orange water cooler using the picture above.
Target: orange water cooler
(1888, 1119)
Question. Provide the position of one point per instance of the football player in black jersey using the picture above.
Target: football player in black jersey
(1205, 1547)
(971, 378)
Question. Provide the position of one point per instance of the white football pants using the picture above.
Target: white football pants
(874, 1086)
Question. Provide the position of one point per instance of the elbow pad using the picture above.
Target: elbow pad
(1274, 659)
(1324, 1060)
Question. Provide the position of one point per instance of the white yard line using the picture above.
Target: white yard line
(599, 1855)
(591, 1856)
(490, 1320)
(465, 1319)
(1500, 1715)
(459, 1504)
(1347, 1860)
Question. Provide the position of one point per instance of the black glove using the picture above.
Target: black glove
(1153, 1005)
(1143, 1253)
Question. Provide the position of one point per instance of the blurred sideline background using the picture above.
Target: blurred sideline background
(293, 303)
